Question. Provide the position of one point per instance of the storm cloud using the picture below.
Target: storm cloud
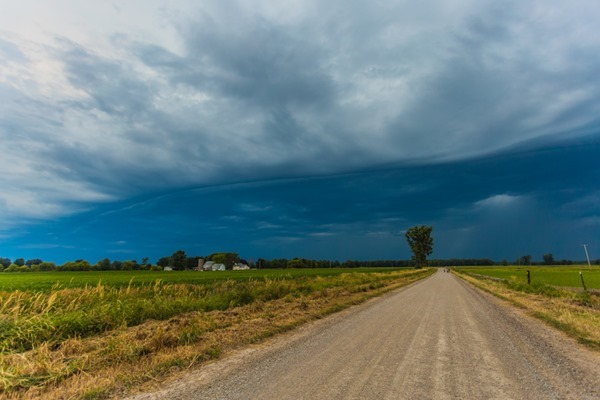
(104, 103)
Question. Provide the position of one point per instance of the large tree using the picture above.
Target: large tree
(548, 259)
(34, 261)
(524, 260)
(163, 261)
(178, 260)
(225, 258)
(421, 243)
(103, 265)
(192, 262)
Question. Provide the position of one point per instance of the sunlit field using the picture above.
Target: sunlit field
(45, 281)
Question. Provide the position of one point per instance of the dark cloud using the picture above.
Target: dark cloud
(353, 118)
(500, 207)
(113, 88)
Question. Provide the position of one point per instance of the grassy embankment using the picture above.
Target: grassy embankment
(98, 338)
(552, 296)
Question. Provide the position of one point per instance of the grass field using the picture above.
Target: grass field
(554, 276)
(93, 334)
(47, 281)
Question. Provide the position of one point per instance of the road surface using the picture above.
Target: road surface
(437, 339)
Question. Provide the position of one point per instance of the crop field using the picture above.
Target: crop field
(87, 334)
(47, 281)
(553, 276)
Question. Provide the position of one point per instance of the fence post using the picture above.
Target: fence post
(582, 282)
(528, 277)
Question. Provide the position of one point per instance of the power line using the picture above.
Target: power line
(587, 255)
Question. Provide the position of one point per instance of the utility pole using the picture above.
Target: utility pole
(587, 255)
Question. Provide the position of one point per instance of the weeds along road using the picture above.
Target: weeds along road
(437, 339)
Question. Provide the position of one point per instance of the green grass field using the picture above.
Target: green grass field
(554, 276)
(46, 281)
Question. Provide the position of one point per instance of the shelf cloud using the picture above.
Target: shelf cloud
(106, 103)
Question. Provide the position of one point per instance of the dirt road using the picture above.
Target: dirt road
(437, 339)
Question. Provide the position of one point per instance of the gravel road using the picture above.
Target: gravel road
(436, 339)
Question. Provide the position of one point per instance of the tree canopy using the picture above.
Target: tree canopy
(228, 259)
(421, 243)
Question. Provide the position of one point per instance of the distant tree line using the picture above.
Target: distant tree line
(34, 265)
(281, 263)
(547, 259)
(304, 263)
(179, 260)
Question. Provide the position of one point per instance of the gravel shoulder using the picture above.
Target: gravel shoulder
(439, 338)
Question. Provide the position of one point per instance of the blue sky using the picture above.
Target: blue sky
(304, 129)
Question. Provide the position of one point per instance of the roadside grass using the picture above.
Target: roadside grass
(576, 313)
(560, 276)
(102, 341)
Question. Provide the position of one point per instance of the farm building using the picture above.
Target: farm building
(218, 267)
(207, 266)
(240, 267)
(200, 266)
(212, 266)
